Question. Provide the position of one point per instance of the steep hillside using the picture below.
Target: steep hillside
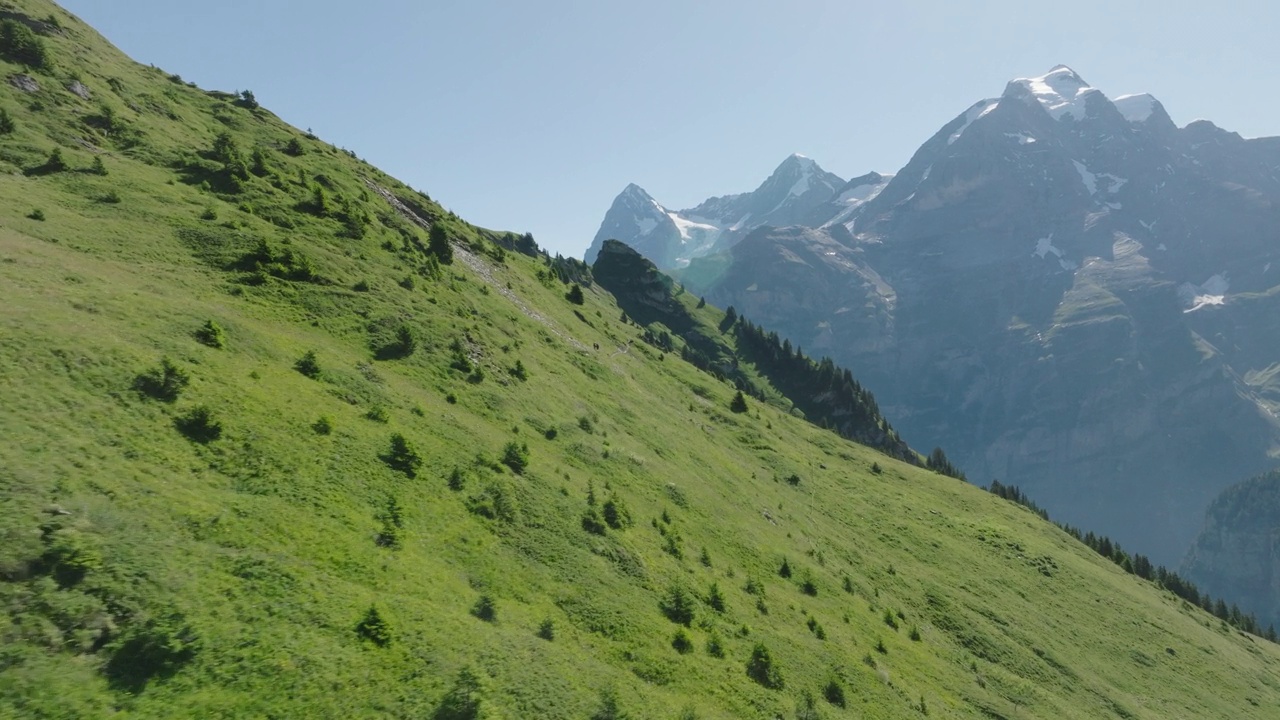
(272, 448)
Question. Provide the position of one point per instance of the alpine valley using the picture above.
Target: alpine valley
(1067, 292)
(281, 437)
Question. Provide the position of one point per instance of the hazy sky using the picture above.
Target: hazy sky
(532, 116)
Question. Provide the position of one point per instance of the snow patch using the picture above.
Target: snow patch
(925, 176)
(1089, 179)
(980, 108)
(689, 228)
(1135, 108)
(1200, 301)
(1211, 292)
(1044, 246)
(1148, 225)
(1061, 92)
(1022, 138)
(1162, 247)
(646, 225)
(1067, 265)
(800, 187)
(1114, 206)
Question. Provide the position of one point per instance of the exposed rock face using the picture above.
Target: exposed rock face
(25, 83)
(1068, 294)
(1237, 554)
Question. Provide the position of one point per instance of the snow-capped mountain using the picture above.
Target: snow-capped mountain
(790, 196)
(1066, 292)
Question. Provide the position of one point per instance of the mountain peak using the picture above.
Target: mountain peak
(1060, 92)
(1136, 108)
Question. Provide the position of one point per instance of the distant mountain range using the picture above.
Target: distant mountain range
(1066, 292)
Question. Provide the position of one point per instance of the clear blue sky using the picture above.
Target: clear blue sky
(533, 115)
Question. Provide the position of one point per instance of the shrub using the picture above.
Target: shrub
(97, 167)
(7, 125)
(592, 523)
(784, 570)
(375, 628)
(715, 646)
(880, 647)
(199, 425)
(457, 480)
(609, 709)
(294, 147)
(111, 197)
(575, 295)
(308, 365)
(519, 372)
(211, 334)
(463, 701)
(584, 423)
(715, 598)
(392, 525)
(681, 642)
(816, 628)
(157, 648)
(793, 479)
(485, 609)
(807, 707)
(323, 426)
(378, 414)
(875, 468)
(678, 606)
(515, 457)
(402, 456)
(762, 669)
(164, 383)
(705, 558)
(889, 619)
(54, 164)
(406, 340)
(547, 630)
(914, 634)
(834, 693)
(616, 513)
(808, 586)
(36, 214)
(739, 403)
(361, 286)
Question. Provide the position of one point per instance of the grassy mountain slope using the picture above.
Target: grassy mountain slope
(148, 569)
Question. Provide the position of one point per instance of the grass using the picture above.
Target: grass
(243, 575)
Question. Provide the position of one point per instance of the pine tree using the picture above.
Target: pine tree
(739, 403)
(438, 244)
(575, 295)
(7, 126)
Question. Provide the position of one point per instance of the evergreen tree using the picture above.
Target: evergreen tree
(739, 403)
(463, 701)
(762, 669)
(7, 126)
(19, 44)
(438, 244)
(575, 295)
(375, 628)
